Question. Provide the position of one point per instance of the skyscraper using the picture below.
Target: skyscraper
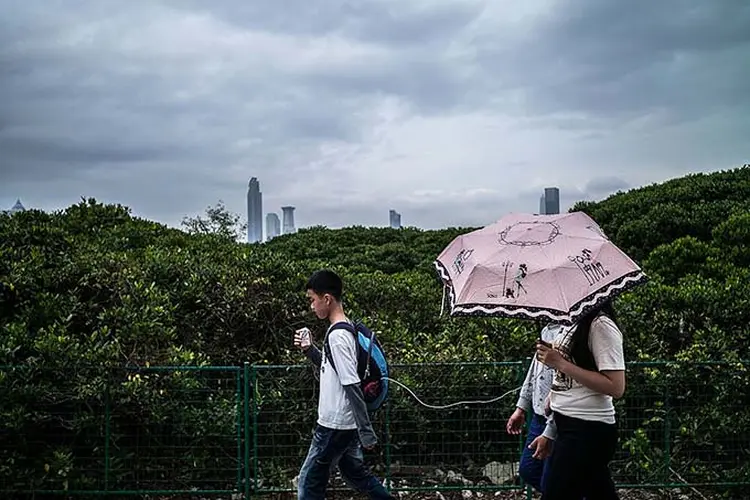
(288, 220)
(551, 201)
(254, 212)
(273, 226)
(18, 207)
(542, 207)
(395, 219)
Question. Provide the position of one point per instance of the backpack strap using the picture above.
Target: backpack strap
(343, 325)
(369, 354)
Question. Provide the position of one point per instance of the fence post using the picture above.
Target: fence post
(388, 445)
(667, 427)
(239, 406)
(255, 428)
(246, 418)
(107, 430)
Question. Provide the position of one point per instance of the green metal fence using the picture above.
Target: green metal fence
(245, 430)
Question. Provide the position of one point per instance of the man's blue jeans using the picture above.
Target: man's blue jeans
(329, 448)
(531, 470)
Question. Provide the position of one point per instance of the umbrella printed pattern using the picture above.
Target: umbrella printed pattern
(554, 267)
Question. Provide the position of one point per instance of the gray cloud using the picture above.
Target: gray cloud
(451, 112)
(623, 59)
(606, 185)
(388, 22)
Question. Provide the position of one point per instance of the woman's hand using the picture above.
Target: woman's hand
(542, 447)
(549, 356)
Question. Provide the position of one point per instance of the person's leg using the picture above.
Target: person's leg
(358, 475)
(327, 445)
(530, 469)
(600, 484)
(567, 466)
(545, 472)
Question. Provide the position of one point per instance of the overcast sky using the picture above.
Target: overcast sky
(453, 112)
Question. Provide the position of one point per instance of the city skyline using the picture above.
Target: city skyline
(274, 227)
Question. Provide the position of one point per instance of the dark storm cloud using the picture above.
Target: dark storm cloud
(624, 59)
(389, 22)
(449, 111)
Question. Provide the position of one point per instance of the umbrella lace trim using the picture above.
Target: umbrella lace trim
(622, 284)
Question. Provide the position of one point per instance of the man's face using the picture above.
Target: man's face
(320, 304)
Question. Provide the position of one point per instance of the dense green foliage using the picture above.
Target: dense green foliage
(91, 291)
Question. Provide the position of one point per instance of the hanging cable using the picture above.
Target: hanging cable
(459, 403)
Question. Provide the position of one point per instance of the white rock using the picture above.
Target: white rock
(500, 473)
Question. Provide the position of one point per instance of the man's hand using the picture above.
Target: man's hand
(515, 422)
(303, 339)
(542, 447)
(549, 356)
(368, 440)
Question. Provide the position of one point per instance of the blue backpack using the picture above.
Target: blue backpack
(371, 363)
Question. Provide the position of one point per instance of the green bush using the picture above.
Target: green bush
(91, 295)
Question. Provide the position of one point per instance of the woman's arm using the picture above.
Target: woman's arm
(608, 382)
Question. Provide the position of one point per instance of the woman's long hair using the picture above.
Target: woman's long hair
(584, 324)
(579, 350)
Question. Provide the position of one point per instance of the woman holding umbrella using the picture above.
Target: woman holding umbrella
(589, 372)
(560, 268)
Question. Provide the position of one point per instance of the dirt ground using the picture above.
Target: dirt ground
(634, 494)
(518, 495)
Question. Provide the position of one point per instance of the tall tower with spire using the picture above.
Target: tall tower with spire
(18, 207)
(254, 212)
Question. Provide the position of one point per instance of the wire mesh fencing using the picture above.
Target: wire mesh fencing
(88, 430)
(458, 447)
(682, 424)
(245, 431)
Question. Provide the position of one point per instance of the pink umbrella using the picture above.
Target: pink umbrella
(556, 267)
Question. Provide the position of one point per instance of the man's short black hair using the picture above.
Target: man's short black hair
(325, 281)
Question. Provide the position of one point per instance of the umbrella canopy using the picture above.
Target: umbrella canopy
(555, 267)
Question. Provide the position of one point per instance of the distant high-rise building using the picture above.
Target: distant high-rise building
(542, 208)
(18, 207)
(288, 215)
(551, 201)
(273, 226)
(254, 212)
(395, 219)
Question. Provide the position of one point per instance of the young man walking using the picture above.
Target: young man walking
(343, 427)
